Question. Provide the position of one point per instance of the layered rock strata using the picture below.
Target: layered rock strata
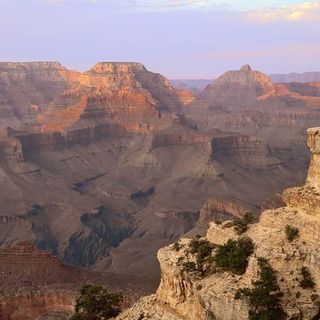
(27, 89)
(124, 92)
(213, 296)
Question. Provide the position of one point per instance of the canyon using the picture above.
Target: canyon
(103, 168)
(185, 295)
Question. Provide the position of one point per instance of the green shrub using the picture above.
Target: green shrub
(241, 225)
(306, 282)
(202, 250)
(95, 303)
(291, 233)
(233, 255)
(265, 296)
(189, 266)
(176, 246)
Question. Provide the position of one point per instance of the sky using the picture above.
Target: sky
(178, 38)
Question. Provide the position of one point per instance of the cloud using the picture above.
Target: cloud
(301, 12)
(156, 5)
(147, 5)
(52, 2)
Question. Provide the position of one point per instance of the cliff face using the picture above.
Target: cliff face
(183, 296)
(27, 89)
(247, 101)
(239, 89)
(126, 93)
(224, 208)
(24, 265)
(247, 151)
(38, 305)
(314, 170)
(46, 97)
(34, 284)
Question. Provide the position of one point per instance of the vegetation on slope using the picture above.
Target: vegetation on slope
(208, 258)
(265, 296)
(95, 303)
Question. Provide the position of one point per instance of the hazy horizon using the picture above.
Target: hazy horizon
(182, 39)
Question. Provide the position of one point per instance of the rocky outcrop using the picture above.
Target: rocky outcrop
(178, 135)
(27, 89)
(24, 265)
(314, 170)
(244, 150)
(248, 102)
(239, 89)
(308, 195)
(57, 99)
(213, 296)
(35, 305)
(34, 284)
(185, 96)
(61, 140)
(223, 209)
(126, 93)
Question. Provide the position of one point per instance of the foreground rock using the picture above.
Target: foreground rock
(213, 296)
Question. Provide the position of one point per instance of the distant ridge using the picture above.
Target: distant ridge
(195, 85)
(312, 76)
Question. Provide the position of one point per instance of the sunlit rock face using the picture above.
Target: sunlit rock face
(125, 93)
(47, 95)
(314, 170)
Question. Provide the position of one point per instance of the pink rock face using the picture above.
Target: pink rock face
(122, 92)
(57, 98)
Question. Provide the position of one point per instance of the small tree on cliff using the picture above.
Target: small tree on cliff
(95, 303)
(265, 296)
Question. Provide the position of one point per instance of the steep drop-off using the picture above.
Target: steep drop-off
(182, 295)
(116, 163)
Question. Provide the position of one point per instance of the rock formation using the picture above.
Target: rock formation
(35, 284)
(27, 89)
(114, 163)
(38, 305)
(245, 150)
(125, 93)
(239, 88)
(296, 77)
(182, 295)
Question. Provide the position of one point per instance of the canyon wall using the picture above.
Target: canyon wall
(182, 295)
